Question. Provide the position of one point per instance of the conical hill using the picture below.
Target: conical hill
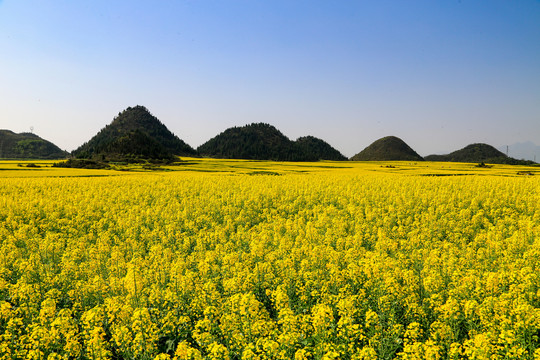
(387, 149)
(135, 132)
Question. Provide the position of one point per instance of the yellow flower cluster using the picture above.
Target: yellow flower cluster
(187, 265)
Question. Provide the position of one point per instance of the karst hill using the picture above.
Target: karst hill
(389, 148)
(318, 149)
(28, 146)
(260, 141)
(478, 153)
(134, 134)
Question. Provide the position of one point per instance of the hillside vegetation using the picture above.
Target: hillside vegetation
(260, 141)
(27, 146)
(477, 153)
(134, 134)
(317, 149)
(137, 136)
(388, 148)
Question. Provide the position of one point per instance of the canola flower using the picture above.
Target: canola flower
(316, 265)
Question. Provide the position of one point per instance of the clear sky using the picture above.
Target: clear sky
(438, 74)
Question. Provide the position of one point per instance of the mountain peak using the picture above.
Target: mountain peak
(134, 132)
(388, 148)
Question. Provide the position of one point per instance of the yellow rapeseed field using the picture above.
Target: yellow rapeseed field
(222, 259)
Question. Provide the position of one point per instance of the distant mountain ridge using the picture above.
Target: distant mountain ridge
(28, 146)
(260, 141)
(477, 153)
(389, 148)
(134, 133)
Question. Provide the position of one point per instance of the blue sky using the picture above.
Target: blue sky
(438, 74)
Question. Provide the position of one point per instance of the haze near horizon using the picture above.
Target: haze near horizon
(439, 75)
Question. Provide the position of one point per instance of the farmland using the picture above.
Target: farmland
(232, 259)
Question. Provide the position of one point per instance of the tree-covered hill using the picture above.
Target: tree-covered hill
(317, 149)
(27, 146)
(477, 153)
(260, 141)
(256, 141)
(387, 149)
(134, 133)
